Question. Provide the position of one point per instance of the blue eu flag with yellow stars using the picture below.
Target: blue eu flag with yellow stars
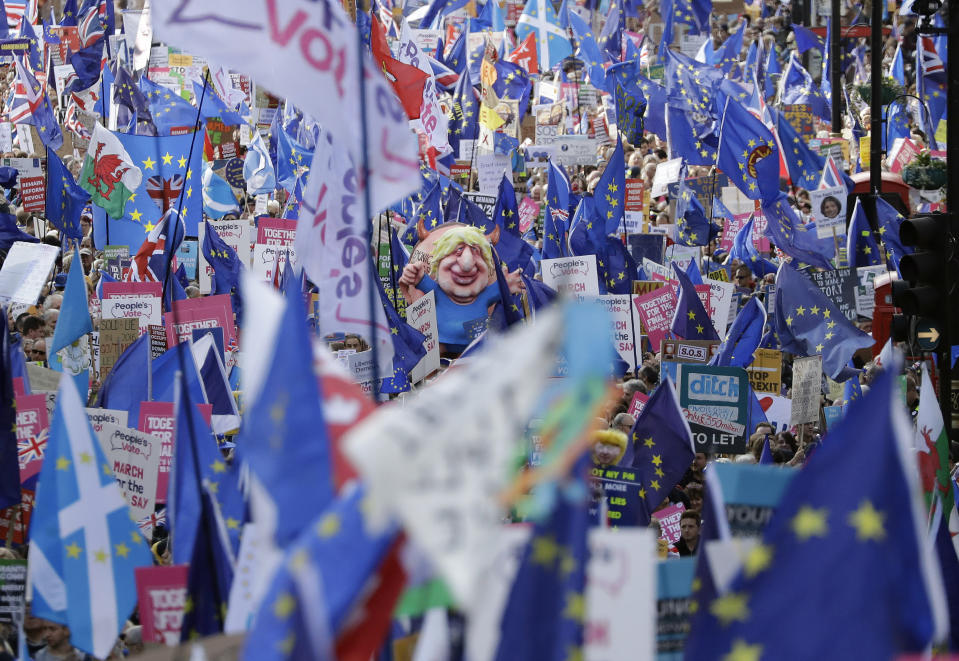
(65, 199)
(792, 237)
(861, 246)
(797, 88)
(889, 221)
(808, 323)
(545, 613)
(803, 164)
(745, 251)
(588, 50)
(172, 175)
(654, 119)
(430, 211)
(168, 109)
(849, 516)
(743, 337)
(408, 346)
(662, 448)
(694, 227)
(555, 223)
(610, 192)
(292, 161)
(464, 114)
(690, 319)
(631, 103)
(748, 153)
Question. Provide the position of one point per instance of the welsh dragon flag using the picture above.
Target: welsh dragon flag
(932, 441)
(109, 174)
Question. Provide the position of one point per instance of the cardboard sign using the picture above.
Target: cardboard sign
(674, 585)
(620, 589)
(839, 286)
(33, 428)
(715, 401)
(161, 592)
(156, 418)
(235, 233)
(656, 313)
(575, 276)
(689, 351)
(669, 521)
(806, 390)
(421, 315)
(208, 312)
(643, 287)
(766, 371)
(274, 239)
(624, 327)
(776, 408)
(115, 336)
(13, 590)
(134, 457)
(485, 202)
(829, 211)
(620, 487)
(25, 270)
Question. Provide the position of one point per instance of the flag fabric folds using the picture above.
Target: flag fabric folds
(743, 337)
(690, 319)
(74, 320)
(65, 198)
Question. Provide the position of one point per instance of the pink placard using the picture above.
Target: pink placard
(637, 404)
(207, 312)
(33, 428)
(656, 313)
(156, 418)
(528, 212)
(732, 227)
(161, 592)
(112, 289)
(669, 521)
(907, 151)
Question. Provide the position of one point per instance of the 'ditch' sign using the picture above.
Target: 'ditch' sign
(715, 403)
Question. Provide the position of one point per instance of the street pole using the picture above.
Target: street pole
(875, 130)
(948, 389)
(835, 66)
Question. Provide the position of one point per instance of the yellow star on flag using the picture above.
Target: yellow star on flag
(868, 522)
(809, 522)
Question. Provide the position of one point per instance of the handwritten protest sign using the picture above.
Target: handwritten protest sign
(421, 315)
(161, 592)
(33, 428)
(839, 286)
(674, 585)
(115, 336)
(156, 418)
(25, 270)
(624, 326)
(576, 276)
(273, 235)
(806, 390)
(620, 589)
(720, 304)
(134, 457)
(766, 371)
(656, 313)
(715, 401)
(13, 589)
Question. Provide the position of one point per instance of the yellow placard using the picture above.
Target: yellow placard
(865, 143)
(766, 371)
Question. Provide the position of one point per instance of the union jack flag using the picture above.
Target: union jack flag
(16, 10)
(92, 24)
(931, 62)
(73, 123)
(148, 523)
(30, 450)
(165, 192)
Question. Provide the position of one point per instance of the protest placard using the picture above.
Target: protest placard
(115, 336)
(485, 202)
(25, 270)
(157, 341)
(831, 415)
(624, 327)
(133, 300)
(421, 315)
(17, 518)
(156, 418)
(236, 233)
(656, 313)
(674, 585)
(620, 486)
(766, 371)
(642, 287)
(620, 590)
(720, 304)
(839, 286)
(33, 428)
(13, 590)
(275, 238)
(134, 458)
(576, 276)
(829, 211)
(570, 150)
(667, 173)
(31, 180)
(806, 390)
(207, 312)
(750, 495)
(776, 409)
(637, 404)
(161, 594)
(528, 213)
(490, 169)
(715, 401)
(689, 351)
(633, 216)
(99, 417)
(866, 290)
(669, 521)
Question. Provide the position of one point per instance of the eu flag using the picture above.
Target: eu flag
(588, 50)
(748, 153)
(408, 347)
(292, 160)
(430, 211)
(797, 87)
(631, 103)
(743, 337)
(696, 142)
(806, 39)
(861, 247)
(889, 221)
(745, 251)
(690, 319)
(224, 261)
(694, 227)
(65, 199)
(167, 108)
(545, 613)
(727, 57)
(803, 164)
(655, 115)
(662, 446)
(792, 237)
(557, 212)
(511, 248)
(464, 115)
(808, 323)
(610, 192)
(844, 520)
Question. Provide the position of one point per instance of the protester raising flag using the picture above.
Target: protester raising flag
(109, 174)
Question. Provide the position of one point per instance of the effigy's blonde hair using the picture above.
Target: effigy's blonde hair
(451, 238)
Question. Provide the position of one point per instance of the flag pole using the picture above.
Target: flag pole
(365, 179)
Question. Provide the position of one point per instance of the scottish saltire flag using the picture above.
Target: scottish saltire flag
(552, 43)
(218, 197)
(74, 320)
(31, 105)
(803, 164)
(84, 546)
(797, 87)
(545, 612)
(587, 50)
(792, 237)
(748, 153)
(744, 250)
(258, 167)
(809, 323)
(284, 439)
(861, 246)
(663, 448)
(9, 452)
(852, 511)
(743, 337)
(65, 199)
(610, 192)
(168, 181)
(324, 572)
(690, 319)
(889, 221)
(557, 212)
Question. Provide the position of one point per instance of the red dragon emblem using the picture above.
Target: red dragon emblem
(107, 171)
(756, 155)
(928, 461)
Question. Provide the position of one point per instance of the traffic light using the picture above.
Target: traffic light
(929, 279)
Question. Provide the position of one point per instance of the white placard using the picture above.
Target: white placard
(144, 308)
(134, 458)
(490, 168)
(624, 326)
(576, 276)
(25, 271)
(235, 233)
(99, 417)
(667, 173)
(421, 315)
(829, 211)
(806, 390)
(720, 304)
